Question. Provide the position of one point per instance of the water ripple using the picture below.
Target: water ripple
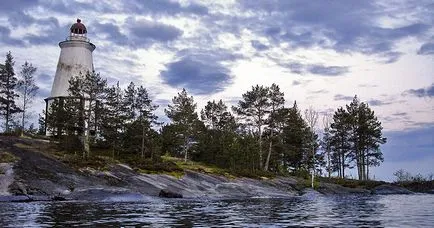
(336, 211)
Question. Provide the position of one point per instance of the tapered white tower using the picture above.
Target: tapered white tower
(75, 59)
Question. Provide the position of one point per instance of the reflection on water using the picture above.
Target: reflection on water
(336, 211)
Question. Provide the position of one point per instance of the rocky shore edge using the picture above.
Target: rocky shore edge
(35, 176)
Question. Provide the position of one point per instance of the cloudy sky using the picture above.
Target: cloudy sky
(321, 53)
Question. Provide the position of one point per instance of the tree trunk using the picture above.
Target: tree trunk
(143, 140)
(363, 165)
(313, 165)
(185, 150)
(267, 163)
(24, 112)
(359, 165)
(85, 132)
(328, 163)
(260, 147)
(343, 165)
(367, 166)
(7, 117)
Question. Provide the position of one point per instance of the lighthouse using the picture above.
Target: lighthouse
(75, 59)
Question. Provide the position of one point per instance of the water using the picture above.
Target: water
(313, 211)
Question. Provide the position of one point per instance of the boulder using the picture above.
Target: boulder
(17, 188)
(386, 189)
(169, 194)
(58, 198)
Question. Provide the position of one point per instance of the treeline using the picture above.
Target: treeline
(16, 95)
(257, 135)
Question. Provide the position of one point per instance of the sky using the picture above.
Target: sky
(321, 53)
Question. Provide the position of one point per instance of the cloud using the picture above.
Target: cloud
(400, 114)
(20, 18)
(259, 46)
(295, 83)
(137, 33)
(198, 73)
(422, 92)
(17, 5)
(367, 86)
(111, 32)
(71, 7)
(164, 7)
(145, 32)
(316, 69)
(304, 24)
(44, 78)
(426, 49)
(376, 102)
(5, 37)
(319, 91)
(340, 97)
(327, 70)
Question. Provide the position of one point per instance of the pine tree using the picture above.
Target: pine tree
(277, 101)
(326, 143)
(369, 140)
(254, 109)
(215, 143)
(113, 117)
(130, 95)
(89, 90)
(147, 118)
(8, 95)
(355, 136)
(340, 141)
(296, 138)
(183, 115)
(28, 88)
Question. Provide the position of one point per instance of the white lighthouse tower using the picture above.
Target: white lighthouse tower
(75, 59)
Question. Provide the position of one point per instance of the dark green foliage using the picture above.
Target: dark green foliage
(101, 117)
(41, 123)
(296, 137)
(183, 115)
(8, 95)
(355, 138)
(254, 110)
(266, 139)
(216, 141)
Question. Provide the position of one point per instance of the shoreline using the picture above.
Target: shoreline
(35, 176)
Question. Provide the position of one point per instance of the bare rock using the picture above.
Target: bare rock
(387, 189)
(169, 194)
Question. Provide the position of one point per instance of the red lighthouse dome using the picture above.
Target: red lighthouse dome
(78, 28)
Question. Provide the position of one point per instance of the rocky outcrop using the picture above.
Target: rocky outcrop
(6, 178)
(333, 189)
(36, 176)
(387, 189)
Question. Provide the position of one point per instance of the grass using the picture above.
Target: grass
(6, 157)
(198, 167)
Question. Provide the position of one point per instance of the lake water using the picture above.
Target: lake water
(311, 211)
